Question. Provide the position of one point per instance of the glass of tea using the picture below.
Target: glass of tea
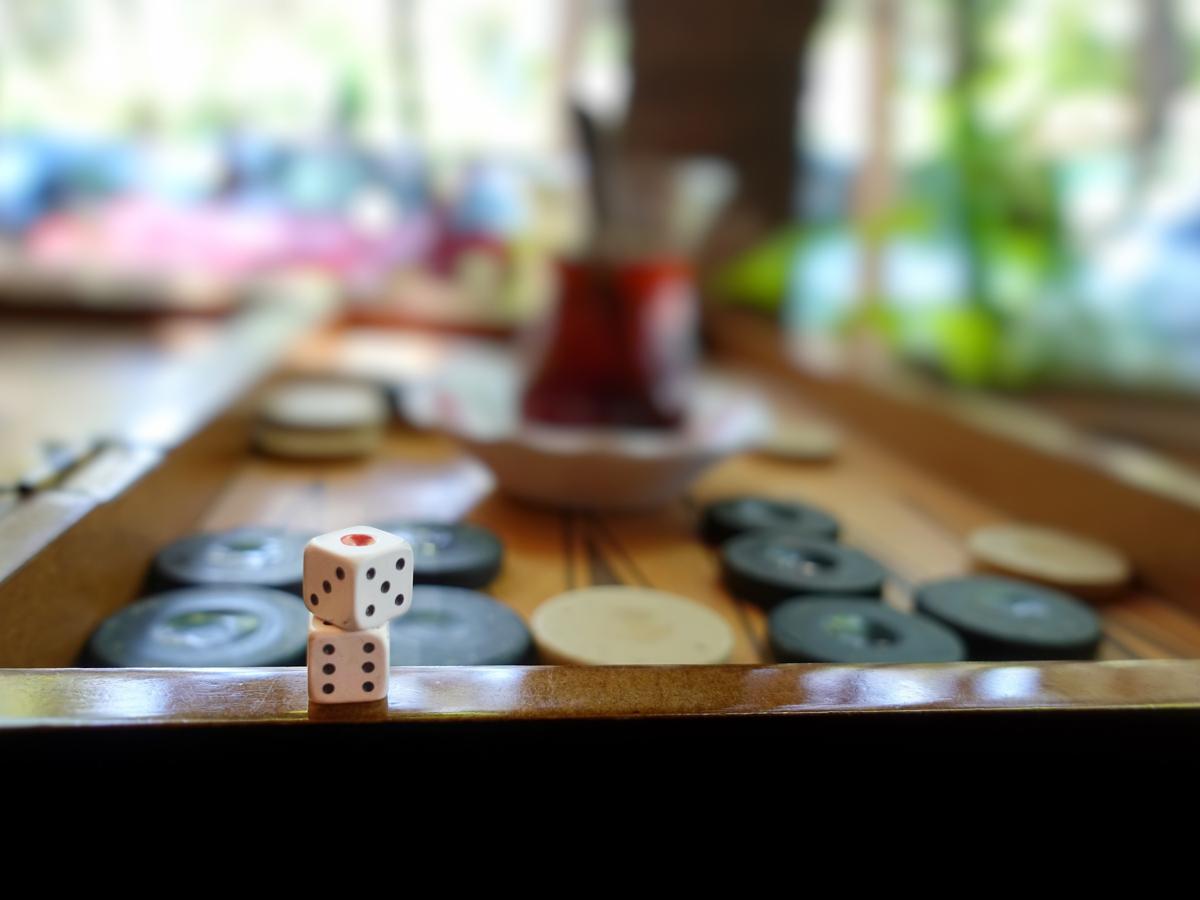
(620, 348)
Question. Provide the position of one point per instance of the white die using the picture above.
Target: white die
(347, 666)
(358, 578)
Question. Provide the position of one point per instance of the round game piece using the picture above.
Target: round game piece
(765, 567)
(324, 405)
(205, 627)
(451, 626)
(287, 443)
(450, 553)
(802, 441)
(263, 557)
(1003, 619)
(616, 625)
(321, 419)
(725, 519)
(1051, 557)
(857, 631)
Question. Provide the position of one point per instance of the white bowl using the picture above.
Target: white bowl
(586, 468)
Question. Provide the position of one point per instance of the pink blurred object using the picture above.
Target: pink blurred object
(143, 235)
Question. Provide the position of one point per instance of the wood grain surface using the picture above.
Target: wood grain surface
(910, 519)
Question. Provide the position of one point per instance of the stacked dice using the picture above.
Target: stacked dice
(356, 580)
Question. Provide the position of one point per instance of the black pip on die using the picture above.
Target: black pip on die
(355, 581)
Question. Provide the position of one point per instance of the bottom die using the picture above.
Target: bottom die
(346, 666)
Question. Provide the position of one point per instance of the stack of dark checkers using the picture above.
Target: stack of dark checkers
(772, 550)
(731, 517)
(767, 567)
(450, 626)
(1005, 619)
(456, 553)
(260, 557)
(204, 627)
(857, 631)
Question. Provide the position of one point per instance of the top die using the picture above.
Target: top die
(358, 578)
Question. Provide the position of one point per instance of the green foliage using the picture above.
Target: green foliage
(759, 277)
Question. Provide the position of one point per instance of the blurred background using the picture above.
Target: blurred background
(1003, 194)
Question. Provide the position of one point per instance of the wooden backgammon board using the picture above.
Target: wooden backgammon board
(75, 553)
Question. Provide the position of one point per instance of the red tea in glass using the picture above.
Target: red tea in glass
(620, 349)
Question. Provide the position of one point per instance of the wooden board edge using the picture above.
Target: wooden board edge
(90, 698)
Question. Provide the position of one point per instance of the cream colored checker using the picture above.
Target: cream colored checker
(320, 406)
(802, 441)
(291, 443)
(1052, 557)
(615, 625)
(321, 420)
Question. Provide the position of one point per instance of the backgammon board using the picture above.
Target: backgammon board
(76, 554)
